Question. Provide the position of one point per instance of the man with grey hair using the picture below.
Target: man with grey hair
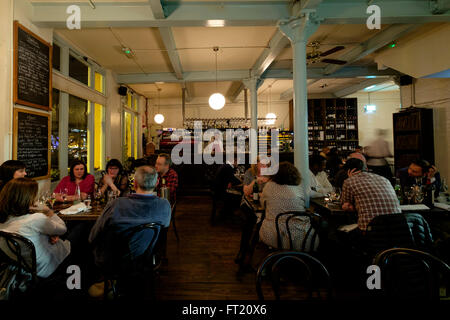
(124, 213)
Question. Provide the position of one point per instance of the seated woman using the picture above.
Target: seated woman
(282, 194)
(78, 176)
(115, 179)
(320, 185)
(11, 169)
(253, 175)
(41, 228)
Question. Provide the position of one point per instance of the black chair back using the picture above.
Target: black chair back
(17, 256)
(409, 230)
(408, 273)
(18, 251)
(308, 243)
(312, 271)
(133, 260)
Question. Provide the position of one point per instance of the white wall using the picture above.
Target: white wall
(9, 11)
(6, 43)
(435, 94)
(21, 10)
(387, 102)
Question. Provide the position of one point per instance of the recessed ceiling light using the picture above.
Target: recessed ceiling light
(215, 23)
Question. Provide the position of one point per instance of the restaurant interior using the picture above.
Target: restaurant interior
(96, 80)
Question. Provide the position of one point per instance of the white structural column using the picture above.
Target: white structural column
(251, 84)
(63, 162)
(298, 32)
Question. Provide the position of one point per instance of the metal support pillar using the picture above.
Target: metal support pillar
(251, 84)
(298, 31)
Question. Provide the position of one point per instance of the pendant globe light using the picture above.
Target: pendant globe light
(216, 100)
(159, 118)
(270, 116)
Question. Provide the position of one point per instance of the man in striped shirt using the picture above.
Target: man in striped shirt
(369, 194)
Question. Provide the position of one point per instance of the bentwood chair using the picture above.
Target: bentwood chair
(307, 270)
(131, 271)
(310, 241)
(410, 274)
(19, 253)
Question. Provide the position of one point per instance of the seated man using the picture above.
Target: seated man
(419, 172)
(224, 180)
(166, 176)
(320, 185)
(127, 212)
(369, 194)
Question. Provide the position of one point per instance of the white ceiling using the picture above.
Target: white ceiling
(239, 49)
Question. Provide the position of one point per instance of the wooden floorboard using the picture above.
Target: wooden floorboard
(201, 266)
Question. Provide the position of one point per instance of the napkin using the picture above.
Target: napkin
(76, 208)
(442, 206)
(411, 207)
(348, 227)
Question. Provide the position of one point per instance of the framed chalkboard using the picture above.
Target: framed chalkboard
(32, 69)
(31, 142)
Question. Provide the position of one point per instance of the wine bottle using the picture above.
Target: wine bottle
(255, 191)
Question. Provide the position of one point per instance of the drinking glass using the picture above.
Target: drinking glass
(87, 201)
(410, 195)
(64, 194)
(51, 200)
(419, 195)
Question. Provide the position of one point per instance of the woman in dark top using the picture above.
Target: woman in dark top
(11, 169)
(334, 163)
(114, 179)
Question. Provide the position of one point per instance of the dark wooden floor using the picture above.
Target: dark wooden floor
(201, 266)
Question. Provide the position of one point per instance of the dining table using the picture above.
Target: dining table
(91, 214)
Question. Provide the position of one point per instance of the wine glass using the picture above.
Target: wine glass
(51, 200)
(410, 195)
(87, 201)
(64, 194)
(419, 195)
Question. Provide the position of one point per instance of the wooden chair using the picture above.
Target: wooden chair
(410, 273)
(312, 271)
(131, 273)
(19, 252)
(311, 233)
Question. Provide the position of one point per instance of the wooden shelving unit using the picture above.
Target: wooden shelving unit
(413, 136)
(333, 123)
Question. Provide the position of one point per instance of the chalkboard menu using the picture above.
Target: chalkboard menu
(32, 142)
(32, 69)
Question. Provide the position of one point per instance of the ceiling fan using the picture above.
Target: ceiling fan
(315, 55)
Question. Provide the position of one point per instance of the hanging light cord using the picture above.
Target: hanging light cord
(159, 98)
(216, 49)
